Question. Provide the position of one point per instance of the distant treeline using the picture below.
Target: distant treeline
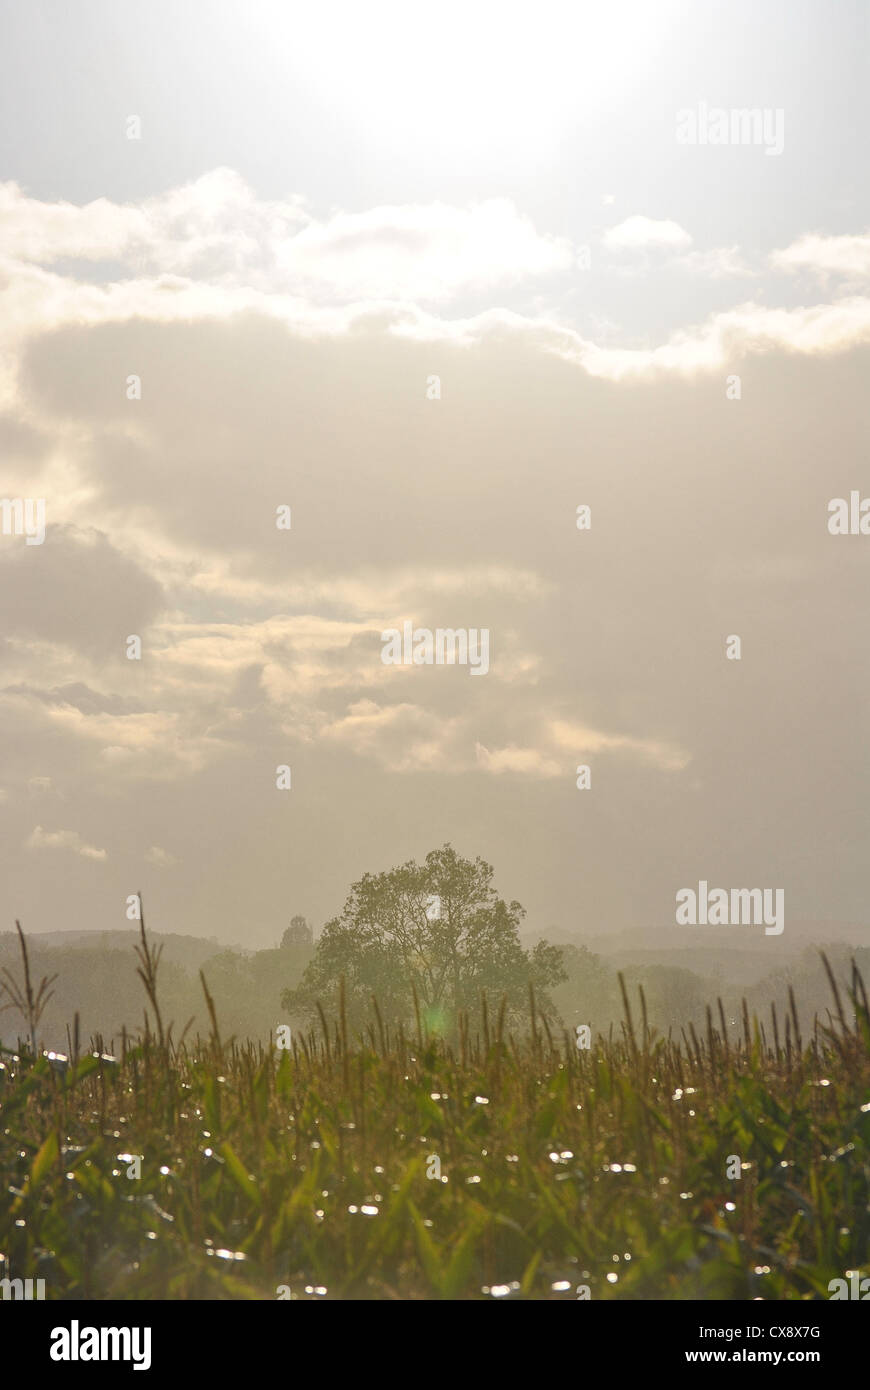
(96, 978)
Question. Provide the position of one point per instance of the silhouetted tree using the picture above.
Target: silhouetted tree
(437, 927)
(298, 933)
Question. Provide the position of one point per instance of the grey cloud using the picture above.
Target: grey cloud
(76, 589)
(709, 518)
(78, 695)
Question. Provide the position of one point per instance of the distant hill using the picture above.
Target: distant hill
(189, 951)
(670, 938)
(680, 969)
(96, 978)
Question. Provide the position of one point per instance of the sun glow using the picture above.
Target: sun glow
(461, 78)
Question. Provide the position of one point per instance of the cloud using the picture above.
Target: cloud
(581, 741)
(62, 839)
(814, 331)
(637, 233)
(157, 745)
(402, 737)
(210, 226)
(77, 694)
(544, 759)
(719, 263)
(160, 858)
(215, 230)
(824, 256)
(213, 253)
(369, 594)
(262, 647)
(529, 762)
(79, 591)
(426, 252)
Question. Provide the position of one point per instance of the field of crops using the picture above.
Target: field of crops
(310, 1172)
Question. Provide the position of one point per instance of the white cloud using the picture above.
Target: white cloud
(62, 839)
(408, 738)
(215, 219)
(824, 256)
(212, 251)
(215, 230)
(160, 858)
(402, 737)
(371, 595)
(581, 740)
(637, 233)
(719, 263)
(427, 252)
(528, 761)
(816, 330)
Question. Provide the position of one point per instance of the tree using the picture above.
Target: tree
(590, 994)
(297, 934)
(437, 927)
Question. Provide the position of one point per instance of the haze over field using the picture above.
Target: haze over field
(318, 216)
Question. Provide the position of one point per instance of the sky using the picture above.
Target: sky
(432, 278)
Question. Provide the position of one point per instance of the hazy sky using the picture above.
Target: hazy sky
(322, 212)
